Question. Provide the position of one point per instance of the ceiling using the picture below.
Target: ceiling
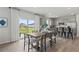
(52, 12)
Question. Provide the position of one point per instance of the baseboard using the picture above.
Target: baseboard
(8, 42)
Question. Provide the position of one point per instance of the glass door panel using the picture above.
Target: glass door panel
(26, 26)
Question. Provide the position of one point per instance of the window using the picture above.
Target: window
(22, 20)
(26, 25)
(30, 22)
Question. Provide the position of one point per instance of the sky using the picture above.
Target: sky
(22, 20)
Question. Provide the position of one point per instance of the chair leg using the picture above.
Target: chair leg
(51, 42)
(28, 43)
(72, 36)
(41, 45)
(38, 48)
(55, 40)
(45, 43)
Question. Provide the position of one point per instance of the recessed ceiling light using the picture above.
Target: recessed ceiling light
(72, 13)
(56, 16)
(34, 7)
(68, 8)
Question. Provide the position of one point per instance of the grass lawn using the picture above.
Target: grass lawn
(25, 30)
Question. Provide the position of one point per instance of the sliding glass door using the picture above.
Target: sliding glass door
(30, 23)
(26, 25)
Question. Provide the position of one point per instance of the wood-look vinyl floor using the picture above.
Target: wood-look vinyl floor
(62, 45)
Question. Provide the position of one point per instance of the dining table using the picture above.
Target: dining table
(37, 35)
(42, 35)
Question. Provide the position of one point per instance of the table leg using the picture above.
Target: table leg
(51, 42)
(45, 43)
(41, 44)
(24, 42)
(28, 43)
(55, 40)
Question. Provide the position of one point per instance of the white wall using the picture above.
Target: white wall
(14, 25)
(49, 22)
(53, 21)
(9, 33)
(5, 32)
(37, 22)
(77, 19)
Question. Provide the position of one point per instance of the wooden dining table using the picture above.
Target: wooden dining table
(37, 35)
